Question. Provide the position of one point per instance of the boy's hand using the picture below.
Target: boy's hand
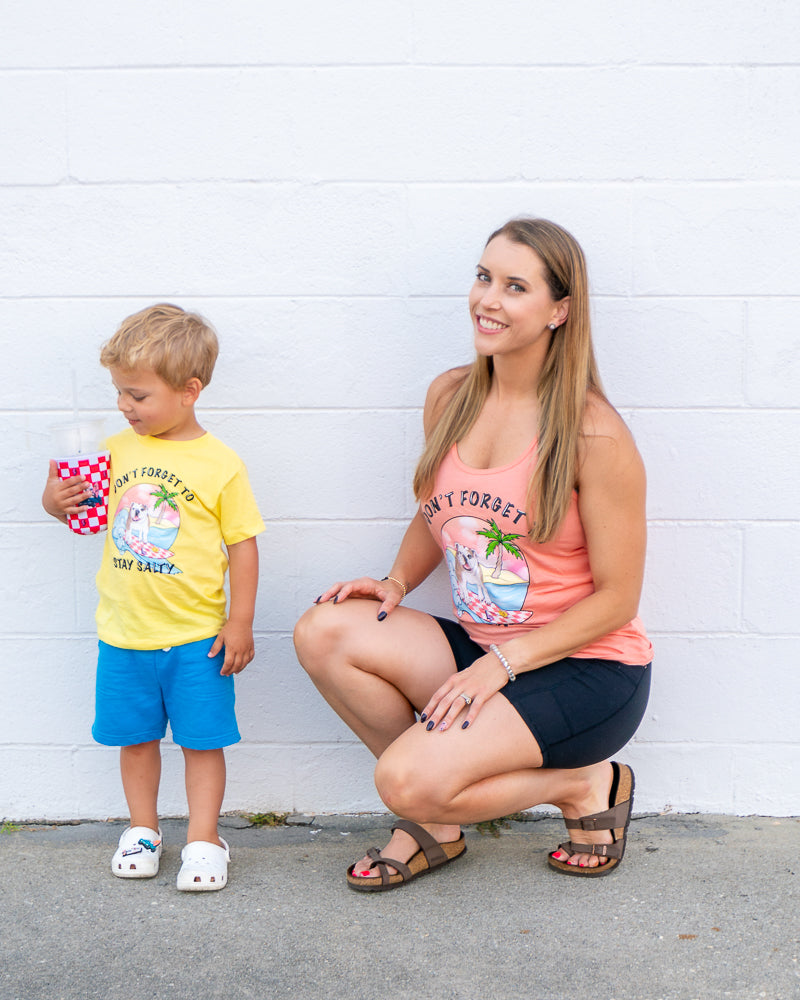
(62, 497)
(237, 638)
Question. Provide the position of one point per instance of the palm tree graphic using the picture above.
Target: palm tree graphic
(163, 496)
(498, 542)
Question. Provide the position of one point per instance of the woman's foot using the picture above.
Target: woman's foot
(602, 834)
(402, 847)
(594, 800)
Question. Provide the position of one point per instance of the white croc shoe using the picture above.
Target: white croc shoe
(138, 854)
(205, 866)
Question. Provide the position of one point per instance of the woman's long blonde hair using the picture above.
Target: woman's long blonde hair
(568, 373)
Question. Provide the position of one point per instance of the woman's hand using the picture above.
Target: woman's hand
(388, 592)
(62, 497)
(478, 682)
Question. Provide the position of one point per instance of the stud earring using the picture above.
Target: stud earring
(551, 327)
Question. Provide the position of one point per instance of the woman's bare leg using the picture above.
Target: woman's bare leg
(374, 673)
(492, 769)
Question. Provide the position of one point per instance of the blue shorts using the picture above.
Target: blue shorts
(138, 690)
(580, 711)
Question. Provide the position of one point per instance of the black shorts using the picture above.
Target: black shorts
(580, 711)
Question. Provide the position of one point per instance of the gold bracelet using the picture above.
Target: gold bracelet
(399, 584)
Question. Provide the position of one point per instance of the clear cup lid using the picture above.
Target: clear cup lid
(77, 437)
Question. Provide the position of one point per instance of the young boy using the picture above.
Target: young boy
(167, 650)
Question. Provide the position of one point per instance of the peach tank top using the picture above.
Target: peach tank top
(502, 584)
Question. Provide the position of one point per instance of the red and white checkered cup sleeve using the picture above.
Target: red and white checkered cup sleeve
(94, 467)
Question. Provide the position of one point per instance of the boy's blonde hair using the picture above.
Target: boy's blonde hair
(175, 344)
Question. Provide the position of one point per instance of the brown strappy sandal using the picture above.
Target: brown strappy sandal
(616, 818)
(431, 855)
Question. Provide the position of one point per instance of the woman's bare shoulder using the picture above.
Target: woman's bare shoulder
(440, 392)
(600, 419)
(447, 383)
(606, 443)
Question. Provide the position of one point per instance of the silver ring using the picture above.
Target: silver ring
(466, 698)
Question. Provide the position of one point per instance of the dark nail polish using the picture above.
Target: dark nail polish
(381, 616)
(465, 724)
(336, 599)
(423, 717)
(430, 725)
(318, 599)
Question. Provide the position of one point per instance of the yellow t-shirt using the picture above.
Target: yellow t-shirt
(172, 505)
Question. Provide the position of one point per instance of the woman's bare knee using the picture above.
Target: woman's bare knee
(324, 633)
(410, 791)
(316, 633)
(304, 634)
(400, 793)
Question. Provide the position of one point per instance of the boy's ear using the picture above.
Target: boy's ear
(191, 391)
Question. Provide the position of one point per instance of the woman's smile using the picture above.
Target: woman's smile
(488, 325)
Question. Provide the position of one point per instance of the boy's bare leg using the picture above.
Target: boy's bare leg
(140, 768)
(205, 789)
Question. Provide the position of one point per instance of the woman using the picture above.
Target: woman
(532, 487)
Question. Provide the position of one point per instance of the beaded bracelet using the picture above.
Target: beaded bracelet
(399, 584)
(511, 675)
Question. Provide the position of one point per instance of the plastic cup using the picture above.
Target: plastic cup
(79, 437)
(80, 440)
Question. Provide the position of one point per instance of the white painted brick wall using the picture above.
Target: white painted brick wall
(318, 180)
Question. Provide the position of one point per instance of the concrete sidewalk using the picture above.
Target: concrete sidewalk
(703, 907)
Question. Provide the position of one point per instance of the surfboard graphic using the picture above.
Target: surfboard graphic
(148, 551)
(485, 611)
